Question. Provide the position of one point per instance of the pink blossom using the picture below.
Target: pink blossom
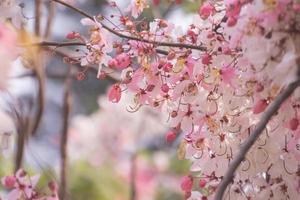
(187, 183)
(296, 7)
(202, 183)
(206, 59)
(227, 74)
(114, 93)
(8, 181)
(8, 39)
(233, 8)
(165, 88)
(122, 61)
(206, 10)
(260, 106)
(137, 7)
(170, 136)
(72, 35)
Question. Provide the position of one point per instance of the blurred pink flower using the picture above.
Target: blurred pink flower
(114, 93)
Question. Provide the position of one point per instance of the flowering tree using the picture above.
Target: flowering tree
(227, 84)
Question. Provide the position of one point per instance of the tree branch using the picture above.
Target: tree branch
(272, 109)
(37, 25)
(166, 44)
(64, 136)
(56, 44)
(51, 12)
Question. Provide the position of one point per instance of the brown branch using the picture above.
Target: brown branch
(56, 44)
(166, 44)
(37, 25)
(40, 76)
(51, 12)
(272, 110)
(64, 136)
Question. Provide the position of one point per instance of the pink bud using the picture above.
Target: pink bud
(156, 2)
(202, 183)
(170, 136)
(80, 76)
(187, 183)
(114, 93)
(206, 10)
(8, 181)
(296, 7)
(206, 59)
(231, 21)
(293, 124)
(165, 88)
(72, 35)
(260, 106)
(53, 186)
(167, 67)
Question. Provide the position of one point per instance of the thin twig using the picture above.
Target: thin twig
(64, 136)
(272, 109)
(56, 44)
(166, 44)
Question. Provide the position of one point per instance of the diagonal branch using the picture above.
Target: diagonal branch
(166, 44)
(272, 109)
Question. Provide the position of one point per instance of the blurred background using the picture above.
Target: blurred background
(110, 153)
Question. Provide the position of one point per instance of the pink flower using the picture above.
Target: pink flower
(170, 136)
(137, 7)
(227, 74)
(206, 10)
(260, 106)
(72, 35)
(165, 88)
(8, 181)
(296, 7)
(187, 183)
(206, 59)
(8, 39)
(114, 93)
(123, 61)
(233, 8)
(202, 183)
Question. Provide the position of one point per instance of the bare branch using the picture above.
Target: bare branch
(64, 136)
(51, 12)
(166, 44)
(272, 109)
(37, 25)
(56, 44)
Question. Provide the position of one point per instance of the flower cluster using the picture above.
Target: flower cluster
(22, 186)
(212, 82)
